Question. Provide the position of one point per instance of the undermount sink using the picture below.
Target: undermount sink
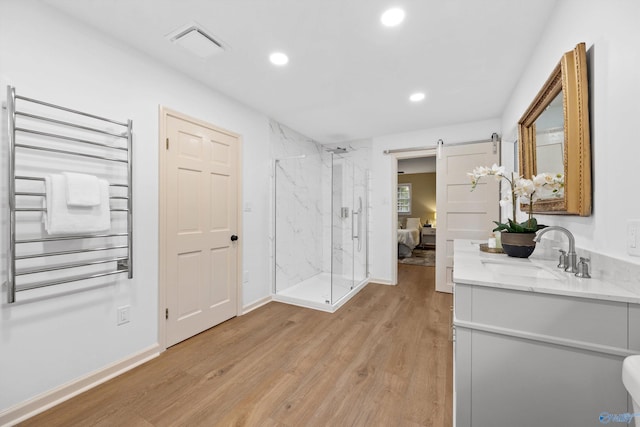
(520, 269)
(631, 379)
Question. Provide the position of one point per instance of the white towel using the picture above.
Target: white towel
(63, 219)
(82, 189)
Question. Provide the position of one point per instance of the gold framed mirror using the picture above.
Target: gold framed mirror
(554, 137)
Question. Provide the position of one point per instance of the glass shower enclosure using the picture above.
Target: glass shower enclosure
(320, 228)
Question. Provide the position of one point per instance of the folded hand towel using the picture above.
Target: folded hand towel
(82, 189)
(62, 219)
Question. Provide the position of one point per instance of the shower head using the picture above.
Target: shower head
(337, 150)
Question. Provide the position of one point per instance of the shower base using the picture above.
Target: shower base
(315, 292)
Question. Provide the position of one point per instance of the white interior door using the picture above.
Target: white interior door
(462, 213)
(201, 217)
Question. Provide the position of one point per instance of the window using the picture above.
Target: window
(404, 199)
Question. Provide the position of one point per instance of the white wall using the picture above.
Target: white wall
(383, 232)
(47, 343)
(612, 36)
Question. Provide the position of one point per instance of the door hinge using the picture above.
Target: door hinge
(166, 313)
(167, 143)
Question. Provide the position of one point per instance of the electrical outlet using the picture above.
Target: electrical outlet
(633, 237)
(124, 314)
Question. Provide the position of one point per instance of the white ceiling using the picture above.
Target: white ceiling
(348, 76)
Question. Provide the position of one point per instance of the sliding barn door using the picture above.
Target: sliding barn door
(462, 213)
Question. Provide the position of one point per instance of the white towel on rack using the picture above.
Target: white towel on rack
(82, 189)
(62, 219)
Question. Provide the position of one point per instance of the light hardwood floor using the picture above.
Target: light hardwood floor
(383, 359)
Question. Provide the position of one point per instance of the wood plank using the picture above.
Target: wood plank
(383, 359)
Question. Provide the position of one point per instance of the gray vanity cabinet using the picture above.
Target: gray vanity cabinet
(634, 329)
(531, 359)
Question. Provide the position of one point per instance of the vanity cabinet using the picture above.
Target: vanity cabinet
(634, 329)
(534, 359)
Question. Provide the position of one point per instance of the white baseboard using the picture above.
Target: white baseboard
(381, 281)
(256, 304)
(49, 399)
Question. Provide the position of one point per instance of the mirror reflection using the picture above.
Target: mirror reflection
(549, 132)
(549, 142)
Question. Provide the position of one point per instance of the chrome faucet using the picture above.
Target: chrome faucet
(572, 259)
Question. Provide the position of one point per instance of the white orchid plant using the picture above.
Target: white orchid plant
(542, 186)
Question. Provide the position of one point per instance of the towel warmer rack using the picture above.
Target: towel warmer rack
(124, 264)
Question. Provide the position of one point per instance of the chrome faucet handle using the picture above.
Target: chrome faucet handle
(562, 261)
(583, 268)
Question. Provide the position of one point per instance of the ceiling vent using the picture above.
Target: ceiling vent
(196, 40)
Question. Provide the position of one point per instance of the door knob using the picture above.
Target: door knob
(234, 238)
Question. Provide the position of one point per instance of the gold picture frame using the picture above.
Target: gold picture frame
(569, 78)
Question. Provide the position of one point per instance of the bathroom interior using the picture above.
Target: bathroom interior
(318, 191)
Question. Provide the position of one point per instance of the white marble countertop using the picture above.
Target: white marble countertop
(533, 274)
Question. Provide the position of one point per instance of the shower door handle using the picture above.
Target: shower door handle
(358, 227)
(359, 223)
(353, 228)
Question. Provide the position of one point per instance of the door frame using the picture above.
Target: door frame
(163, 113)
(394, 157)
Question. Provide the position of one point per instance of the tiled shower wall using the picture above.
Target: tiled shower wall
(301, 206)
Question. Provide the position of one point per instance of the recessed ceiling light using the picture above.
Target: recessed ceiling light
(417, 97)
(278, 58)
(392, 17)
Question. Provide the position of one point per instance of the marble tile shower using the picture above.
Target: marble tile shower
(320, 221)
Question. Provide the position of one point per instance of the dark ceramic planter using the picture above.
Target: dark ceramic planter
(518, 245)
